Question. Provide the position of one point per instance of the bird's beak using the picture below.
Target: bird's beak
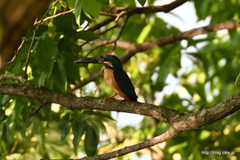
(86, 60)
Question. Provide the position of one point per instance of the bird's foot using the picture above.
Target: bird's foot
(113, 96)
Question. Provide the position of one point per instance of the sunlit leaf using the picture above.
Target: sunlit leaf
(77, 11)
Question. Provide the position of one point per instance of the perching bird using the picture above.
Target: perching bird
(117, 78)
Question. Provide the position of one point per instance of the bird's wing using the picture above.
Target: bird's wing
(125, 84)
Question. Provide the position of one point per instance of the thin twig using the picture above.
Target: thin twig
(120, 33)
(153, 9)
(99, 46)
(52, 17)
(29, 53)
(120, 12)
(18, 50)
(101, 24)
(84, 43)
(20, 46)
(108, 29)
(100, 33)
(6, 77)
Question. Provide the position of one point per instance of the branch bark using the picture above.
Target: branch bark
(187, 122)
(46, 96)
(179, 121)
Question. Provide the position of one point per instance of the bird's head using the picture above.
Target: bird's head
(110, 61)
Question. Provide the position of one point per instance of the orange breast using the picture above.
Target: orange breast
(109, 78)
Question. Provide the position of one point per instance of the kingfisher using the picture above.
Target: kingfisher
(117, 78)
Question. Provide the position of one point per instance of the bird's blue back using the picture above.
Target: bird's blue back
(125, 84)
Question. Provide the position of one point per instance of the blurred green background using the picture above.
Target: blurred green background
(186, 76)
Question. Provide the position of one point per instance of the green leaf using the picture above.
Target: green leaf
(44, 60)
(86, 35)
(65, 127)
(42, 79)
(91, 141)
(57, 81)
(77, 11)
(78, 128)
(103, 116)
(237, 81)
(66, 24)
(71, 3)
(4, 99)
(62, 70)
(142, 2)
(104, 2)
(125, 3)
(91, 7)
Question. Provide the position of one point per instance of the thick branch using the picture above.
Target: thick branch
(170, 133)
(46, 96)
(180, 122)
(188, 122)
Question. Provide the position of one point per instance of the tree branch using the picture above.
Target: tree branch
(120, 12)
(179, 121)
(46, 96)
(134, 48)
(153, 9)
(38, 22)
(188, 122)
(170, 133)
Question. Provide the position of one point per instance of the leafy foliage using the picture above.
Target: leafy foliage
(29, 130)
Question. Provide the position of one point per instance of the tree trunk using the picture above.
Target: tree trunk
(16, 17)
